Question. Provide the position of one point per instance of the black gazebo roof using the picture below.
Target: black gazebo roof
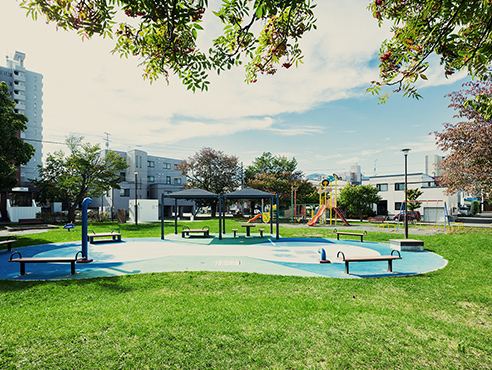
(194, 193)
(249, 193)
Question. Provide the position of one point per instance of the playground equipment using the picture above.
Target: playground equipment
(299, 212)
(328, 203)
(264, 214)
(447, 223)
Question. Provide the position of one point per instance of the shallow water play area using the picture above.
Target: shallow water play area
(263, 255)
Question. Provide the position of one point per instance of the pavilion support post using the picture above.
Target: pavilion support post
(223, 218)
(278, 236)
(271, 215)
(176, 216)
(162, 216)
(220, 216)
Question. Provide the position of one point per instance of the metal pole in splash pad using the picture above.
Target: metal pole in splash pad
(85, 251)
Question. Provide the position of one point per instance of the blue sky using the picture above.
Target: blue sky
(318, 113)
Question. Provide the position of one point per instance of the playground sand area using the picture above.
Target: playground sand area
(267, 255)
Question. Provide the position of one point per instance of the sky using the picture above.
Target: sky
(318, 113)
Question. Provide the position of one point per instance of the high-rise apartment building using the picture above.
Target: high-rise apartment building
(431, 162)
(26, 89)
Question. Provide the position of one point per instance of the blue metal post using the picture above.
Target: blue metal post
(278, 223)
(220, 214)
(85, 252)
(162, 216)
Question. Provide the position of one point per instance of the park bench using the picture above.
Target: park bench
(114, 234)
(261, 232)
(68, 227)
(338, 233)
(187, 231)
(24, 260)
(369, 259)
(235, 231)
(9, 241)
(377, 219)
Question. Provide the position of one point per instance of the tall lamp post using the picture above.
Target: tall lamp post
(405, 153)
(136, 198)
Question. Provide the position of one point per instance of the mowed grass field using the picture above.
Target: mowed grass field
(199, 320)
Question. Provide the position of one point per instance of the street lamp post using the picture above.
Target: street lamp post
(136, 198)
(405, 153)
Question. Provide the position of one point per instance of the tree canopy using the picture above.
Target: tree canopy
(213, 171)
(459, 32)
(13, 150)
(82, 173)
(357, 200)
(413, 195)
(164, 33)
(278, 174)
(469, 163)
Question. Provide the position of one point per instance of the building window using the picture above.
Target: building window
(382, 187)
(168, 180)
(176, 166)
(167, 166)
(124, 192)
(35, 105)
(150, 178)
(398, 206)
(177, 180)
(122, 176)
(151, 164)
(140, 161)
(400, 186)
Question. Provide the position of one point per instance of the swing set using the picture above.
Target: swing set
(447, 223)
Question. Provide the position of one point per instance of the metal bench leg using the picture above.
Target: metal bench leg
(9, 245)
(23, 268)
(347, 268)
(390, 265)
(72, 265)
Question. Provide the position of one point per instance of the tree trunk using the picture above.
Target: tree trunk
(71, 213)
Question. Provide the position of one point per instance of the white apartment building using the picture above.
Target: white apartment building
(147, 177)
(26, 89)
(391, 189)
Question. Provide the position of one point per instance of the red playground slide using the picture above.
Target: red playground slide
(316, 217)
(255, 218)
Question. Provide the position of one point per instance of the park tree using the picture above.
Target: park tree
(13, 150)
(469, 163)
(458, 32)
(278, 174)
(357, 200)
(413, 195)
(163, 34)
(84, 172)
(213, 171)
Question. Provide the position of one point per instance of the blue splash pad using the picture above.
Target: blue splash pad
(287, 256)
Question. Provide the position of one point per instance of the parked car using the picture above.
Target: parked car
(411, 215)
(464, 211)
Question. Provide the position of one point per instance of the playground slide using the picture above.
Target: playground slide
(255, 218)
(316, 217)
(342, 215)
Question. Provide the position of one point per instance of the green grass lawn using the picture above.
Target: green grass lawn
(197, 320)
